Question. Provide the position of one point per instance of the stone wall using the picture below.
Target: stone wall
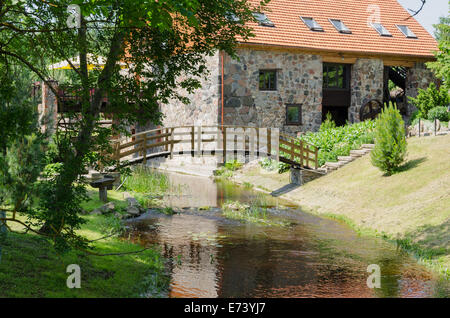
(366, 84)
(204, 102)
(299, 81)
(417, 77)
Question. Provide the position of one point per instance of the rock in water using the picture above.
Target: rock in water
(133, 211)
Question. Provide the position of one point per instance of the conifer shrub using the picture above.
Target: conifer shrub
(390, 141)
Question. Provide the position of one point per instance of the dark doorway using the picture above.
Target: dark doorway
(338, 114)
(336, 92)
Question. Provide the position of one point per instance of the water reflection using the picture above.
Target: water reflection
(211, 256)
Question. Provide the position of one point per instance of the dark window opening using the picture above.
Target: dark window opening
(338, 114)
(293, 114)
(268, 80)
(335, 76)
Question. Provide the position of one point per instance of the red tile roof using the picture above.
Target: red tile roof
(290, 31)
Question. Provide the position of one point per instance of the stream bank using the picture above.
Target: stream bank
(410, 208)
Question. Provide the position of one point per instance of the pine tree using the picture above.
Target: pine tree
(390, 141)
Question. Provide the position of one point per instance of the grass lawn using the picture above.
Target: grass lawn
(412, 206)
(31, 268)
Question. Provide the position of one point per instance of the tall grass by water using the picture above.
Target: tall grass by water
(146, 181)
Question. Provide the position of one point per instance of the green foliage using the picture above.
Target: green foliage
(328, 123)
(226, 171)
(441, 66)
(146, 181)
(390, 141)
(440, 113)
(271, 165)
(430, 98)
(334, 142)
(166, 41)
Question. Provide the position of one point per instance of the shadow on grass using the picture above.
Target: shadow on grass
(411, 164)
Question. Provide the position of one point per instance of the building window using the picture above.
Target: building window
(293, 114)
(335, 76)
(263, 19)
(407, 31)
(381, 29)
(311, 24)
(340, 26)
(268, 80)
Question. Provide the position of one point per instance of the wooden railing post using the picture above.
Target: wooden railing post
(269, 142)
(316, 154)
(199, 140)
(301, 154)
(166, 139)
(171, 142)
(192, 141)
(224, 143)
(144, 148)
(117, 151)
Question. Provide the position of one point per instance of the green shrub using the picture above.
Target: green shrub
(328, 123)
(440, 113)
(429, 99)
(390, 141)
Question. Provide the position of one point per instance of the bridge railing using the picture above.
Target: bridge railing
(226, 142)
(296, 152)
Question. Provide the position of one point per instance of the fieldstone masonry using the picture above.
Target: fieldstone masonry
(366, 84)
(204, 106)
(418, 77)
(299, 81)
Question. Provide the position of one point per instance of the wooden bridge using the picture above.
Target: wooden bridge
(225, 142)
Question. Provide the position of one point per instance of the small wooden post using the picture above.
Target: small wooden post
(171, 142)
(199, 140)
(166, 139)
(269, 142)
(117, 151)
(224, 147)
(316, 161)
(144, 149)
(257, 142)
(301, 154)
(435, 124)
(192, 141)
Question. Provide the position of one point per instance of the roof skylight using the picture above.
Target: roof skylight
(406, 31)
(263, 19)
(381, 29)
(312, 24)
(340, 26)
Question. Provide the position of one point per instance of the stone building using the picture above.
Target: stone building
(310, 58)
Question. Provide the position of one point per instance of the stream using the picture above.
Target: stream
(213, 256)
